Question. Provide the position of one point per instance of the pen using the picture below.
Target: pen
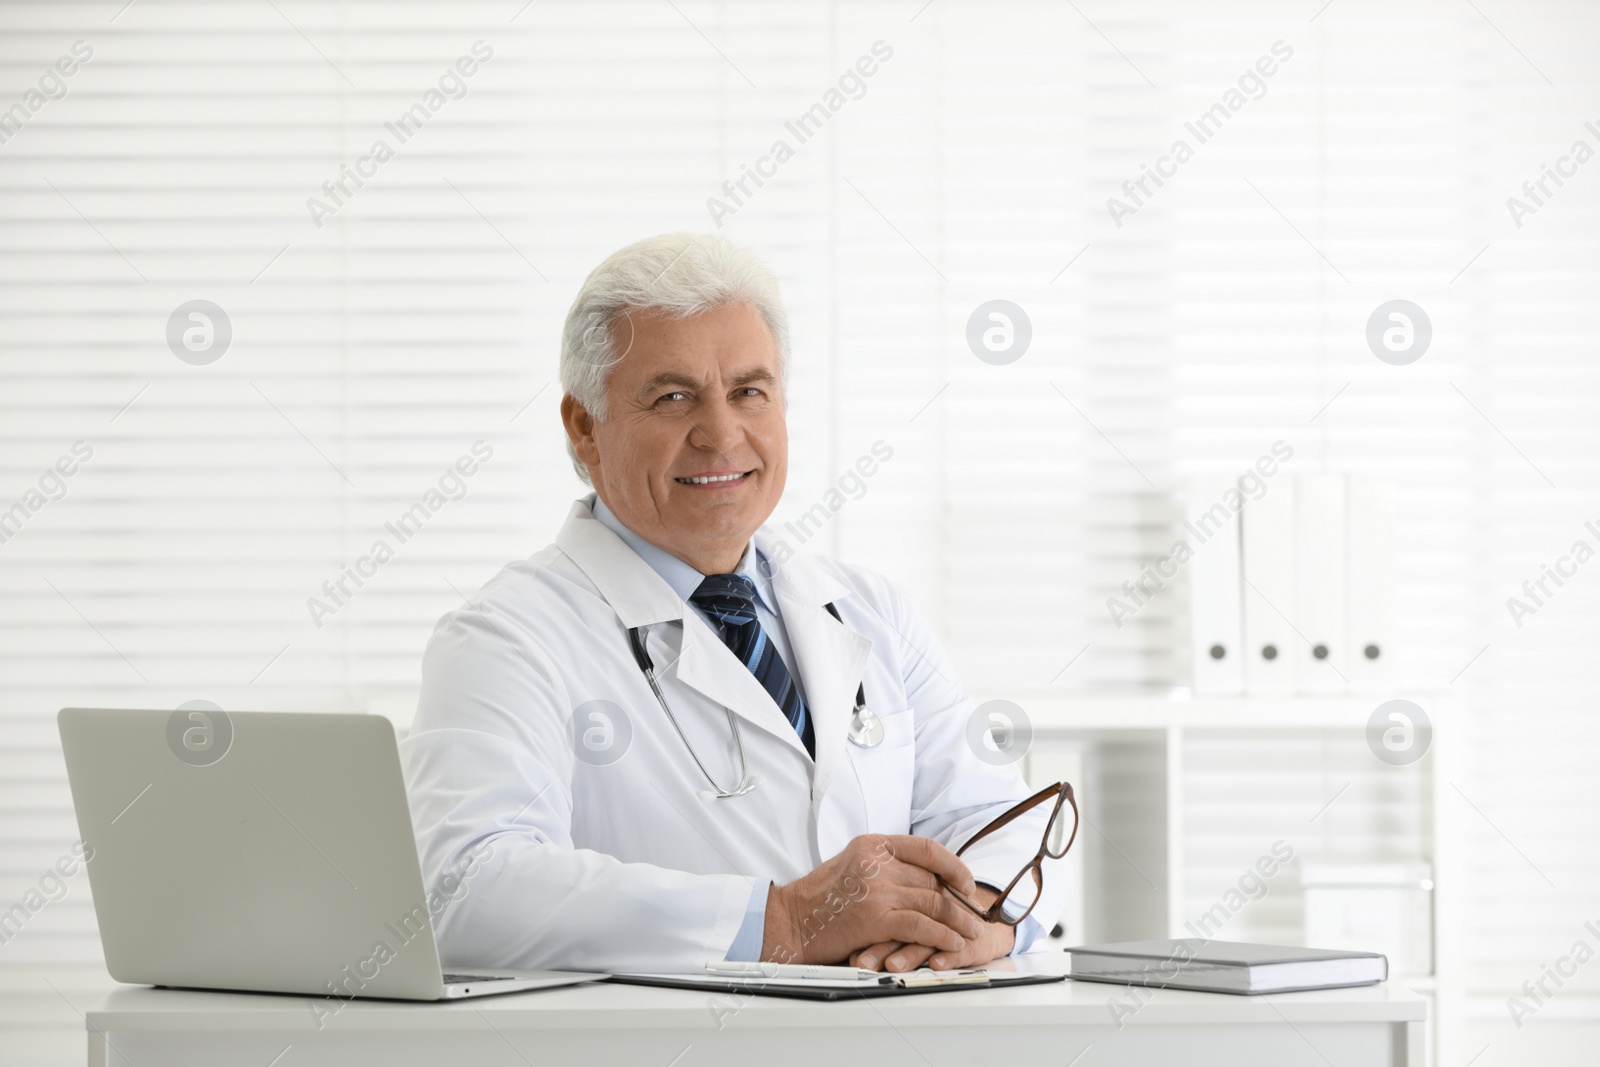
(790, 970)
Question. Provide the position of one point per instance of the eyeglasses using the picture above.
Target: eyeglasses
(1022, 895)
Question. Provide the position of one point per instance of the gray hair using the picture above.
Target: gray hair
(681, 274)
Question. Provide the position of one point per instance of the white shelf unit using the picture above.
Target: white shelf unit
(1140, 854)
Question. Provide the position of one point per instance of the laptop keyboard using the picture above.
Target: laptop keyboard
(455, 979)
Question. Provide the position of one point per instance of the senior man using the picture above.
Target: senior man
(657, 742)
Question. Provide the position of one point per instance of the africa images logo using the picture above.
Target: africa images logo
(199, 733)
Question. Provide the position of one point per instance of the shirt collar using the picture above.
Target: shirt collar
(682, 577)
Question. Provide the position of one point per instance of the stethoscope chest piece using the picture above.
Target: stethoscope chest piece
(866, 729)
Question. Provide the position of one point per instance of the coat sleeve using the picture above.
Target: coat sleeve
(488, 768)
(960, 785)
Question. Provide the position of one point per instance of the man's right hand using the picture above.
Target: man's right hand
(881, 888)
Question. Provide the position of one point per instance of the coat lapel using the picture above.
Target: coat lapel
(832, 657)
(707, 666)
(640, 597)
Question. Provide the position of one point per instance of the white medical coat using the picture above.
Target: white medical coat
(603, 861)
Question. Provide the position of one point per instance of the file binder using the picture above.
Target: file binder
(1321, 655)
(1267, 535)
(1370, 517)
(1216, 633)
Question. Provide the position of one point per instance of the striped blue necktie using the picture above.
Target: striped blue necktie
(730, 601)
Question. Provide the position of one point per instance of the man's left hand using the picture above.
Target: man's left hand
(996, 940)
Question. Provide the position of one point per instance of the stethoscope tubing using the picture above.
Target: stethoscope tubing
(746, 783)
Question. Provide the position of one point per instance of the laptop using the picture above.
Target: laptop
(263, 852)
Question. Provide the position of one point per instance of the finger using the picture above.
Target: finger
(872, 956)
(933, 857)
(908, 958)
(941, 906)
(915, 928)
(941, 961)
(973, 954)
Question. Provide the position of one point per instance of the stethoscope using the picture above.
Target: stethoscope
(865, 730)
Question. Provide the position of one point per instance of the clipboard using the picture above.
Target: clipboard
(811, 989)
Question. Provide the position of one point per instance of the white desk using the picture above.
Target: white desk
(1055, 1025)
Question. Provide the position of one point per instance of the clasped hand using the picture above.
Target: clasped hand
(879, 905)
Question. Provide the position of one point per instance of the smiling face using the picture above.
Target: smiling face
(694, 450)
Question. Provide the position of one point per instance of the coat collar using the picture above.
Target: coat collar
(682, 577)
(638, 595)
(641, 597)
